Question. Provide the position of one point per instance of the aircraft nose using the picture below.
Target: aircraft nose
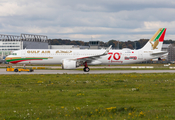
(8, 58)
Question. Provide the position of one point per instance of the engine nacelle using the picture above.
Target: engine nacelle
(69, 64)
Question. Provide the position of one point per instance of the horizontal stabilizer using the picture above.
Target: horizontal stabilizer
(159, 53)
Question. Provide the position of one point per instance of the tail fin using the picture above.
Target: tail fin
(155, 43)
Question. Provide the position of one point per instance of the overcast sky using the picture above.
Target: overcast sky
(88, 19)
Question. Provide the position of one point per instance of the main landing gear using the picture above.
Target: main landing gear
(86, 68)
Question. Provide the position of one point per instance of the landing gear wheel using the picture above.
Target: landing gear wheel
(86, 69)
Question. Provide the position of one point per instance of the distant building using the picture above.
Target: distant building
(10, 43)
(94, 45)
(84, 47)
(170, 48)
(171, 53)
(165, 47)
(63, 47)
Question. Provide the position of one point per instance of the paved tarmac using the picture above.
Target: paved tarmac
(3, 71)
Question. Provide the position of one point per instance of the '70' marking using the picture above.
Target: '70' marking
(116, 56)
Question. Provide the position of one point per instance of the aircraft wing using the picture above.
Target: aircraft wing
(90, 58)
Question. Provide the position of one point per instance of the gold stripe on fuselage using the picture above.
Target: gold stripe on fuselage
(10, 58)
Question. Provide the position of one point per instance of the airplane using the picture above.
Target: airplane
(71, 59)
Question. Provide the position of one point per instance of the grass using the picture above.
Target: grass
(104, 97)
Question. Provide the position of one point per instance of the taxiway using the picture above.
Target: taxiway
(3, 71)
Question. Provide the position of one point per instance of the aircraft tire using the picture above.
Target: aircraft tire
(86, 69)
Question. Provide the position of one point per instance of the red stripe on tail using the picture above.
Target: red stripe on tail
(161, 39)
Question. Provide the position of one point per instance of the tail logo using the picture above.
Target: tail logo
(158, 37)
(154, 46)
(155, 43)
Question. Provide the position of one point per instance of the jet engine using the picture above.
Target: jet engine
(69, 64)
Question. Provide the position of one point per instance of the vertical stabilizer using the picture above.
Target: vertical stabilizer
(155, 43)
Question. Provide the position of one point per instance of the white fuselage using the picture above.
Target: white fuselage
(114, 57)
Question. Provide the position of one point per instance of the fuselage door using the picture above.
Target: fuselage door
(23, 53)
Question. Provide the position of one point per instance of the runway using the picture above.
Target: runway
(3, 71)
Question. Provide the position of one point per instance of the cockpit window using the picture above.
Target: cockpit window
(14, 53)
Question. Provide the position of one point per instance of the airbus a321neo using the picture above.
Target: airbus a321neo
(71, 59)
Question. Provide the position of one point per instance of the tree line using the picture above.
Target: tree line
(116, 44)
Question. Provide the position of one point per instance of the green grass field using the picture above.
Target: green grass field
(91, 97)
